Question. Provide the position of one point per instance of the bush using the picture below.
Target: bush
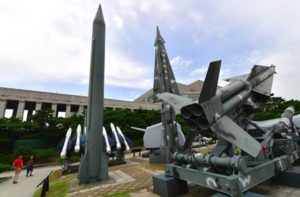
(38, 154)
(4, 167)
(26, 152)
(6, 158)
(44, 154)
(74, 158)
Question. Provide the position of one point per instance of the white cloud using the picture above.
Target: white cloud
(44, 41)
(52, 43)
(124, 72)
(199, 72)
(179, 63)
(118, 22)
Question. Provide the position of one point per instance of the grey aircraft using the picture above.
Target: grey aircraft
(247, 152)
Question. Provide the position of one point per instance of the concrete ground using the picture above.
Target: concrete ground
(26, 186)
(133, 178)
(139, 184)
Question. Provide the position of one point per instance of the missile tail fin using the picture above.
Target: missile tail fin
(210, 85)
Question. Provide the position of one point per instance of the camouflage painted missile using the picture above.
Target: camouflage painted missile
(164, 81)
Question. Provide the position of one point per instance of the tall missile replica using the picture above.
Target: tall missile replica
(248, 152)
(94, 163)
(164, 81)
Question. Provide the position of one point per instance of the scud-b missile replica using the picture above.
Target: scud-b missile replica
(265, 151)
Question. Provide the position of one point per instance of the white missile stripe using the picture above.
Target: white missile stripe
(113, 129)
(64, 149)
(125, 142)
(108, 149)
(77, 146)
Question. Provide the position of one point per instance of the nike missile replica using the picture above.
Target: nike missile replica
(64, 149)
(94, 165)
(77, 145)
(125, 142)
(113, 129)
(108, 149)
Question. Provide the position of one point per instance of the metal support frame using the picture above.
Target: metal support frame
(234, 185)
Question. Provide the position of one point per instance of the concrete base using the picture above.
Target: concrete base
(153, 158)
(116, 162)
(167, 186)
(157, 156)
(246, 194)
(289, 177)
(70, 170)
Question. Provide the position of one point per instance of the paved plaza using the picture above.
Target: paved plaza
(133, 179)
(26, 185)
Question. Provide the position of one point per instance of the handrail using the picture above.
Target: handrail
(45, 183)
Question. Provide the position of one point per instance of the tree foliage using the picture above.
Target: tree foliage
(275, 106)
(45, 126)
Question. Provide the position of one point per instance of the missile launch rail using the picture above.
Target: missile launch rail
(240, 160)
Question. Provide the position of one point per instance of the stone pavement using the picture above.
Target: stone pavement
(26, 185)
(134, 178)
(139, 184)
(264, 189)
(138, 178)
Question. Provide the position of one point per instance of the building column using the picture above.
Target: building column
(38, 106)
(81, 109)
(2, 108)
(68, 111)
(54, 108)
(29, 115)
(20, 110)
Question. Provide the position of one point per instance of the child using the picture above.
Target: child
(29, 166)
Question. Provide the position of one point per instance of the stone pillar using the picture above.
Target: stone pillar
(54, 108)
(2, 108)
(29, 115)
(20, 110)
(38, 106)
(68, 111)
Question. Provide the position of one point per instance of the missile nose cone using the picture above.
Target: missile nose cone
(99, 16)
(159, 39)
(69, 130)
(78, 128)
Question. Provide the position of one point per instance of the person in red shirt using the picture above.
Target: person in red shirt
(17, 164)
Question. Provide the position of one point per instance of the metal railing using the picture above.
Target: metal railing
(45, 186)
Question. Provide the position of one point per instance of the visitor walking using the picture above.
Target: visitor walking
(29, 166)
(17, 164)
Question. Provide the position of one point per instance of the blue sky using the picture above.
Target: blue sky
(45, 45)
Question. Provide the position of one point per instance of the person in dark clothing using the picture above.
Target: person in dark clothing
(29, 166)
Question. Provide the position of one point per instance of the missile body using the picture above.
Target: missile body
(77, 145)
(125, 142)
(108, 149)
(94, 164)
(64, 149)
(113, 129)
